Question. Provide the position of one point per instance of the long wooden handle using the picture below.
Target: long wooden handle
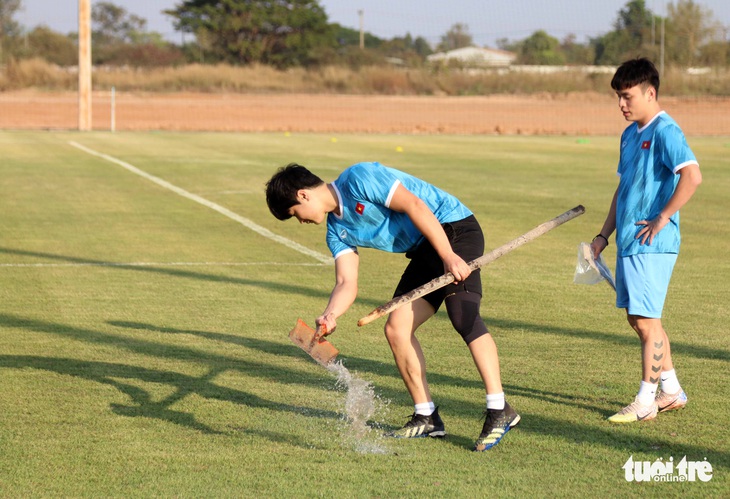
(448, 278)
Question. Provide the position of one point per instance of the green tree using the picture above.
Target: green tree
(112, 24)
(715, 53)
(689, 27)
(577, 53)
(278, 32)
(346, 49)
(351, 37)
(44, 43)
(121, 38)
(145, 55)
(412, 51)
(508, 45)
(422, 47)
(9, 27)
(542, 49)
(456, 37)
(631, 36)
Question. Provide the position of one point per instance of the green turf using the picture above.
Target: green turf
(125, 373)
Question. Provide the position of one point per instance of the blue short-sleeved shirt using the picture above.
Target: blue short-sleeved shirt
(650, 159)
(364, 193)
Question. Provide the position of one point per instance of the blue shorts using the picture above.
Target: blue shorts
(642, 282)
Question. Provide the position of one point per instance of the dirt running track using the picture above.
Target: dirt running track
(574, 114)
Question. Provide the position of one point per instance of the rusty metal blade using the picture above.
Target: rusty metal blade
(319, 349)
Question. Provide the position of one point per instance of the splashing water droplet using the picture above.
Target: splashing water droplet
(361, 405)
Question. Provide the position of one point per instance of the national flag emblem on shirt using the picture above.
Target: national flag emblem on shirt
(359, 208)
(646, 144)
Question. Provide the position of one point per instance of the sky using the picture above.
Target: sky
(487, 21)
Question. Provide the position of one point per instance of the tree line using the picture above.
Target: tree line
(290, 33)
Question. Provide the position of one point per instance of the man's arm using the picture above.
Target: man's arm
(609, 225)
(344, 293)
(690, 178)
(404, 201)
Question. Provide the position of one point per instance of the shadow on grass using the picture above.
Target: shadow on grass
(631, 439)
(678, 347)
(621, 438)
(627, 338)
(177, 272)
(287, 289)
(110, 373)
(116, 375)
(378, 368)
(436, 378)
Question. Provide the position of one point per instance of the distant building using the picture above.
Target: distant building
(474, 57)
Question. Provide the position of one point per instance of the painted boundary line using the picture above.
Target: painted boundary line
(209, 204)
(161, 264)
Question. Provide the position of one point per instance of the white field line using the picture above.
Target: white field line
(162, 264)
(209, 204)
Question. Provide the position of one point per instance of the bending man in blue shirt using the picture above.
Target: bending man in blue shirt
(370, 205)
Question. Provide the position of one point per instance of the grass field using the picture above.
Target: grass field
(143, 335)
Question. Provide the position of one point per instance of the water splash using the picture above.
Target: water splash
(361, 405)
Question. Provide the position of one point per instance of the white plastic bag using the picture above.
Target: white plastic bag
(589, 270)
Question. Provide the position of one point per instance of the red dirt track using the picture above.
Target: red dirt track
(573, 114)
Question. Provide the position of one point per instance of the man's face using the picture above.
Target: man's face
(308, 211)
(637, 103)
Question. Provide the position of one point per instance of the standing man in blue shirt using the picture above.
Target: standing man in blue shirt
(658, 174)
(370, 205)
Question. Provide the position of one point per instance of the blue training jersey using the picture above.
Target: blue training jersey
(364, 192)
(650, 159)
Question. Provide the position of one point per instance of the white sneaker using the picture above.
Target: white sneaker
(634, 412)
(670, 402)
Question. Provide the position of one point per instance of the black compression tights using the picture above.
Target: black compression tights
(463, 310)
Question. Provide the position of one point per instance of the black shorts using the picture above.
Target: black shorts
(467, 241)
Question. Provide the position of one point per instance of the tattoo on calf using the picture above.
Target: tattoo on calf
(656, 365)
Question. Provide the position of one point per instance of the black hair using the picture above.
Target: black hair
(281, 190)
(634, 72)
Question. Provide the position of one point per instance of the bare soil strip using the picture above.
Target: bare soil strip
(570, 114)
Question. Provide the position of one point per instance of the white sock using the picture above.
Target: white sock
(425, 409)
(495, 401)
(647, 392)
(670, 383)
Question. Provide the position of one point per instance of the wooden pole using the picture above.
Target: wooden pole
(661, 51)
(84, 65)
(448, 278)
(361, 13)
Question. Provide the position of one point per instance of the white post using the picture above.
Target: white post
(113, 111)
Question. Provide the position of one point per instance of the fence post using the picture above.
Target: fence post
(113, 110)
